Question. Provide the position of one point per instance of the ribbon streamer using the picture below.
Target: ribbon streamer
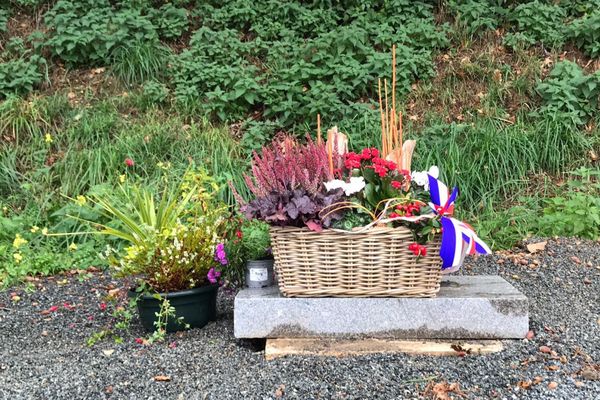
(458, 238)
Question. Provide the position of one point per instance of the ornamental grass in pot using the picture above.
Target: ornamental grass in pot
(168, 240)
(357, 223)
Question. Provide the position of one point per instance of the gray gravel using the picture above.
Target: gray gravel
(44, 356)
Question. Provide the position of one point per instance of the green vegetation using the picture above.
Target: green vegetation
(502, 96)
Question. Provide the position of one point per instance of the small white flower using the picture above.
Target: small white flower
(421, 179)
(355, 185)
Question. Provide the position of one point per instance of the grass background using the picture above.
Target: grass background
(504, 100)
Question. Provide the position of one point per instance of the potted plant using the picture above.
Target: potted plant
(256, 250)
(170, 238)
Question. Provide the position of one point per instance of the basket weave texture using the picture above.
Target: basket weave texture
(374, 263)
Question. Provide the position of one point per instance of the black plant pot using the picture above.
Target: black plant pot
(197, 306)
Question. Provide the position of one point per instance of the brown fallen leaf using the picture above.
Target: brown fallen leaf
(591, 373)
(587, 280)
(545, 349)
(537, 380)
(440, 391)
(525, 384)
(553, 368)
(579, 384)
(108, 390)
(530, 335)
(280, 391)
(576, 260)
(552, 385)
(536, 247)
(162, 378)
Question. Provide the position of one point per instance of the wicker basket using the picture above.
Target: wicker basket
(375, 263)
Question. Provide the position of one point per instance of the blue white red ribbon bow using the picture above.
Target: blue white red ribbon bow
(458, 238)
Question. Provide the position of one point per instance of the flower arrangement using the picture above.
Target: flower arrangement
(321, 185)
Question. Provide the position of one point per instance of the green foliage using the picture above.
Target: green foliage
(21, 75)
(88, 31)
(154, 92)
(170, 21)
(568, 90)
(476, 16)
(25, 250)
(256, 240)
(139, 61)
(290, 61)
(585, 32)
(576, 211)
(491, 161)
(540, 22)
(4, 15)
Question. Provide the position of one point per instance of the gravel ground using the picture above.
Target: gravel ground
(43, 354)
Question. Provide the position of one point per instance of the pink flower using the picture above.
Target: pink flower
(213, 275)
(396, 184)
(53, 309)
(172, 345)
(103, 306)
(139, 340)
(129, 162)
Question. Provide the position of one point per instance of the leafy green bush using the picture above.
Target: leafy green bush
(4, 15)
(476, 16)
(576, 212)
(292, 60)
(21, 75)
(170, 21)
(88, 31)
(540, 22)
(585, 32)
(154, 93)
(568, 90)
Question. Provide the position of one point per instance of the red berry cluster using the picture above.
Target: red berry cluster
(408, 210)
(417, 249)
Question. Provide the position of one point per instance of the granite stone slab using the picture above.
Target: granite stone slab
(467, 307)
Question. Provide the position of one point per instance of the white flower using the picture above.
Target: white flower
(355, 185)
(421, 179)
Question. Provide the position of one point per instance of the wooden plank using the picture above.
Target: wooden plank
(281, 347)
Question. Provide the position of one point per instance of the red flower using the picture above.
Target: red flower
(391, 165)
(352, 160)
(238, 233)
(129, 162)
(68, 306)
(139, 340)
(380, 170)
(366, 154)
(396, 184)
(374, 152)
(102, 306)
(53, 309)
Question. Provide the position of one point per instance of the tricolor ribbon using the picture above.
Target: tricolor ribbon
(458, 238)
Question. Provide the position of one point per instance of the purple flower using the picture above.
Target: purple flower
(220, 255)
(213, 275)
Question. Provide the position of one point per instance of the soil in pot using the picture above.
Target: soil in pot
(197, 306)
